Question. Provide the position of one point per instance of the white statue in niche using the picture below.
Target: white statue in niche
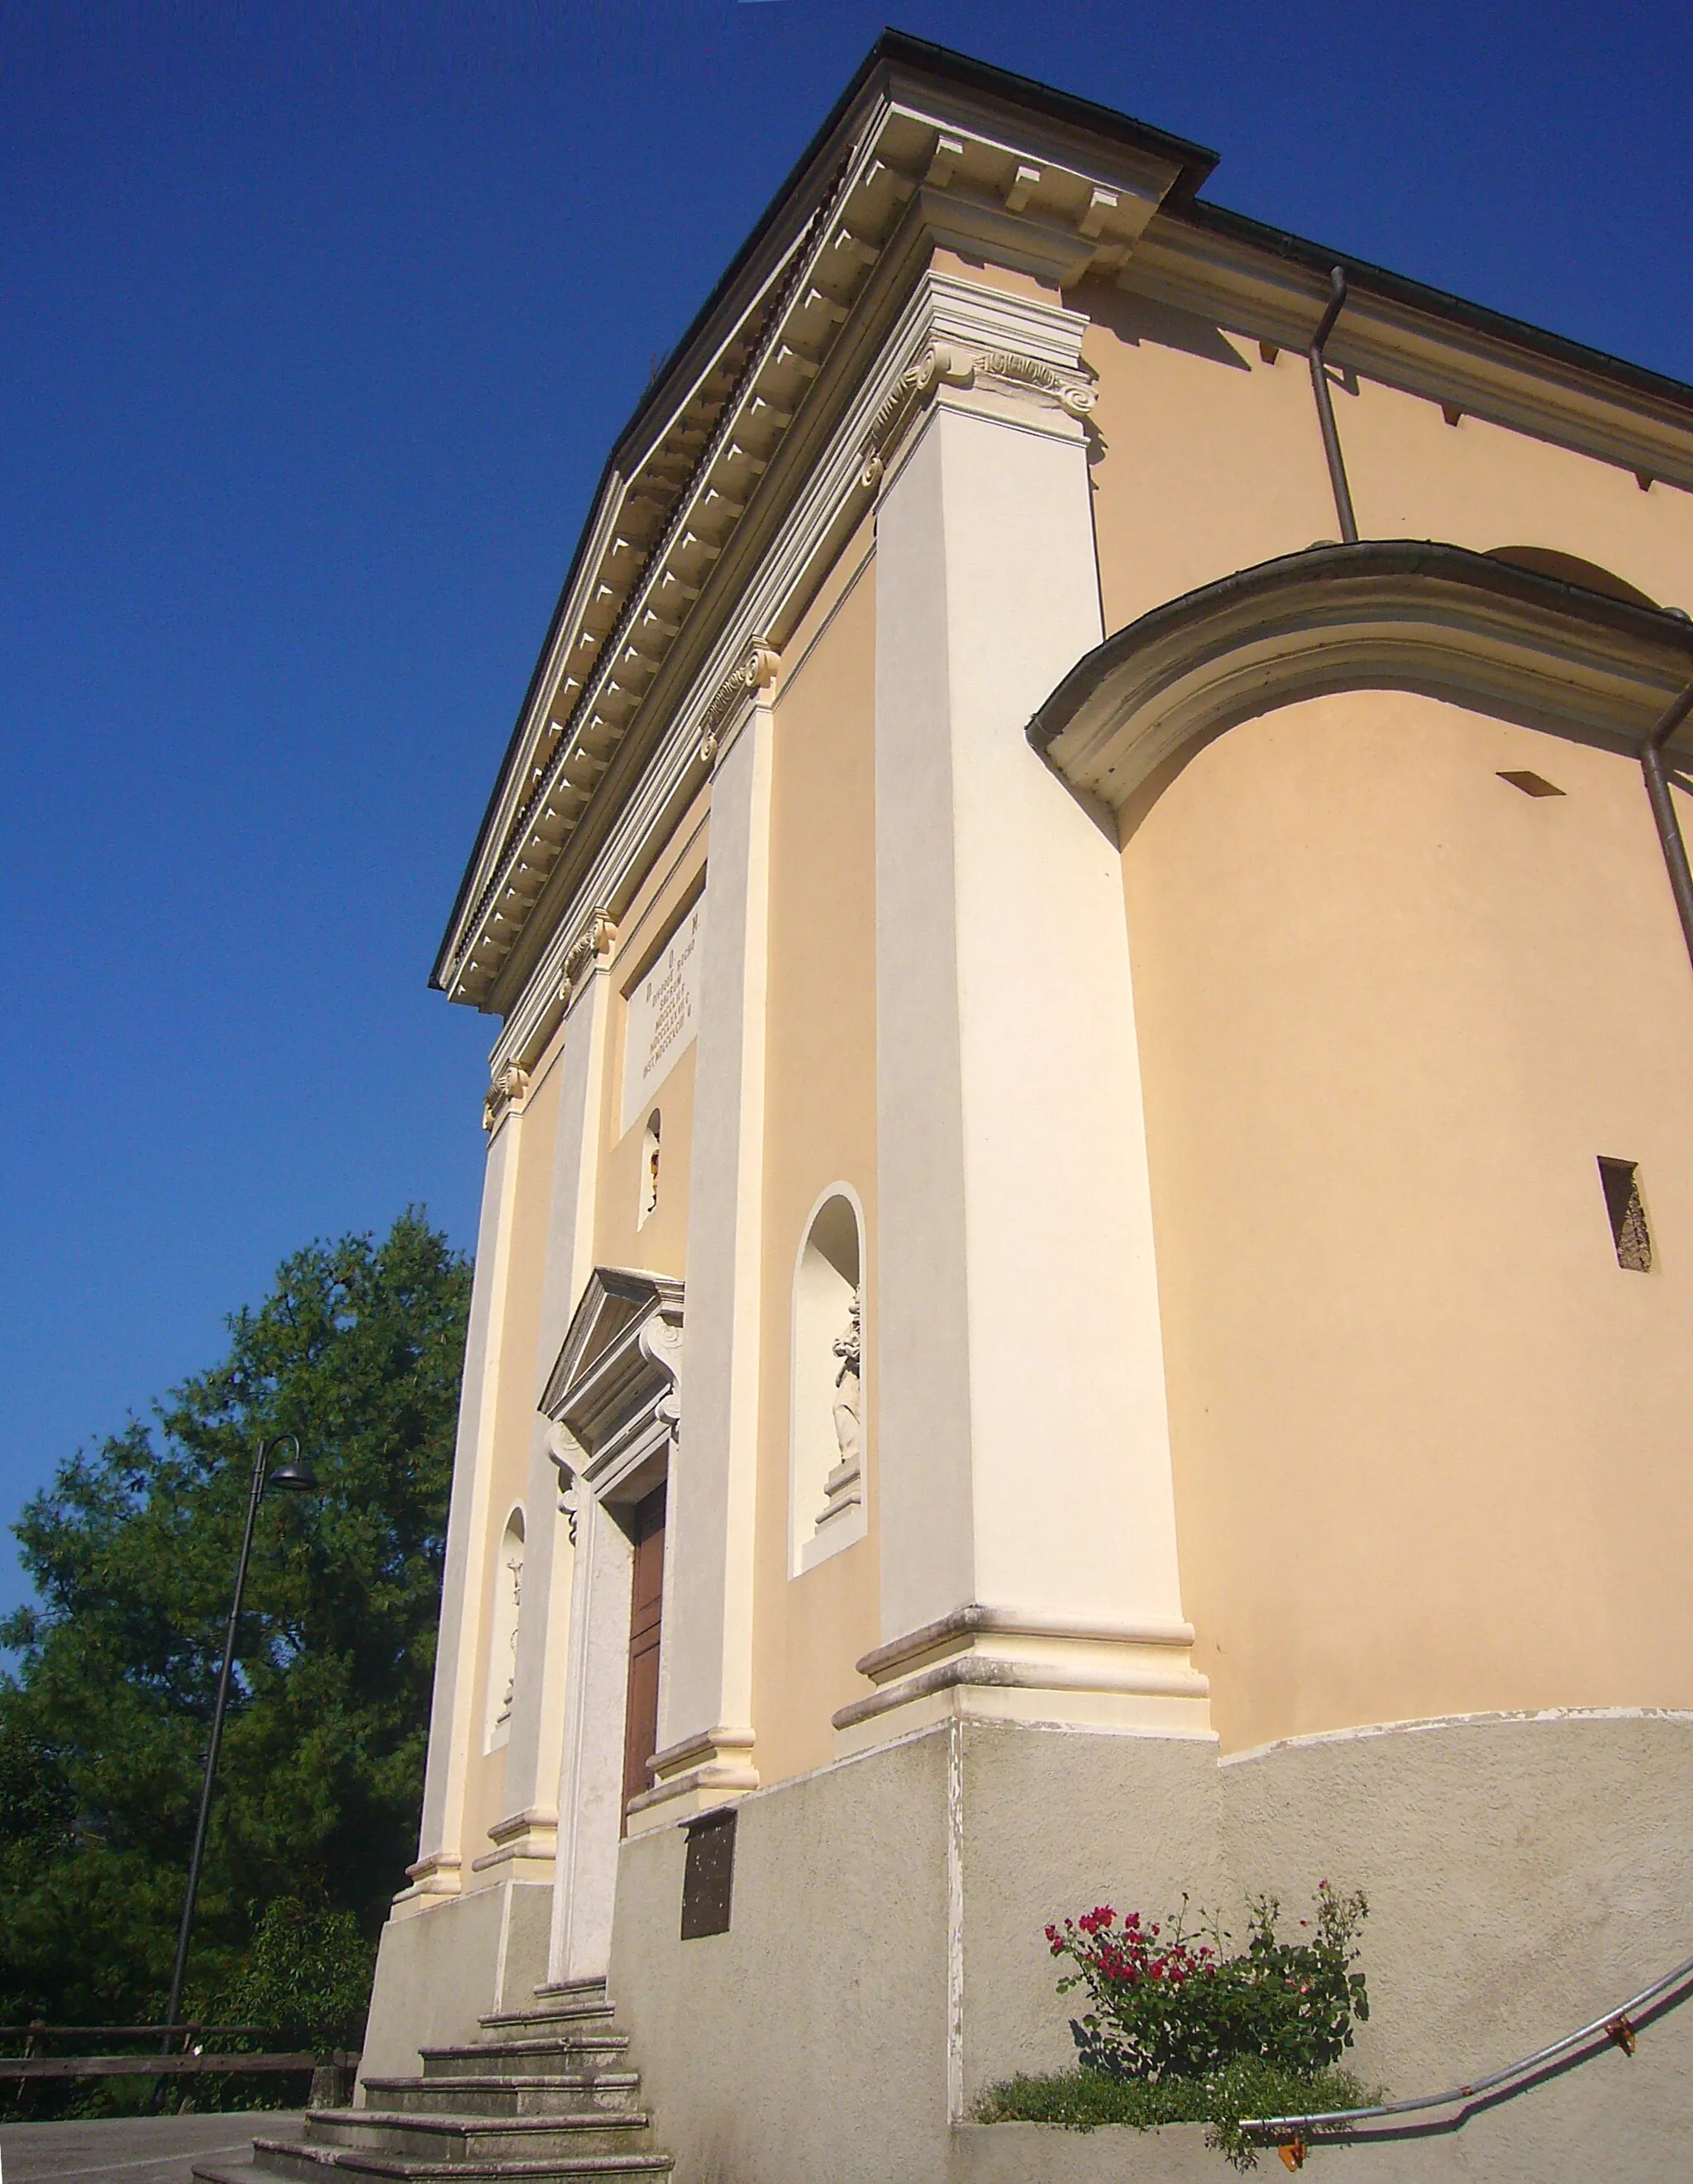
(649, 1168)
(506, 1608)
(842, 1489)
(848, 1347)
(515, 1570)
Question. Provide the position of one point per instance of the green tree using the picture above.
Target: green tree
(357, 1350)
(307, 1978)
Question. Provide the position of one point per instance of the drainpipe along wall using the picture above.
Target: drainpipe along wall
(1651, 750)
(1325, 408)
(1664, 812)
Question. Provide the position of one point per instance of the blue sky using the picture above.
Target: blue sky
(314, 326)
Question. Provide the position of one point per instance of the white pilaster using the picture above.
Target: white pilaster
(454, 1723)
(591, 1774)
(1025, 1464)
(534, 1756)
(705, 1699)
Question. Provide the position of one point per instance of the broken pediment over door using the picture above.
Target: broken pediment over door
(612, 1395)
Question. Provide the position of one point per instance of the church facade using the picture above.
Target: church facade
(1079, 1295)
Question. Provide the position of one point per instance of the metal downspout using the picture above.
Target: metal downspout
(1325, 411)
(1664, 812)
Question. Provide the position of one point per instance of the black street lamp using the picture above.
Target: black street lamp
(289, 1477)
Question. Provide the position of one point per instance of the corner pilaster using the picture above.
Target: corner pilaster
(1028, 1552)
(441, 1852)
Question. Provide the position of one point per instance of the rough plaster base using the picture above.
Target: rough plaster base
(439, 1970)
(1523, 1874)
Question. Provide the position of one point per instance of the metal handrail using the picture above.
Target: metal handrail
(1616, 2024)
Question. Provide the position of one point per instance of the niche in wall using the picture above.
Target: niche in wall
(826, 1473)
(508, 1600)
(649, 1168)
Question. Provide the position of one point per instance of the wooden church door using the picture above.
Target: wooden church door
(646, 1609)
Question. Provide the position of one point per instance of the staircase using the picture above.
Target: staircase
(543, 2096)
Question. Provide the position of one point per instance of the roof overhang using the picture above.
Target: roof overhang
(1482, 632)
(924, 145)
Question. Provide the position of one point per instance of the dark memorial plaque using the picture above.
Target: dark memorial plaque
(708, 1878)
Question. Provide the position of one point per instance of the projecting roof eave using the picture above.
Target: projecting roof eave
(1384, 613)
(625, 608)
(1366, 279)
(783, 221)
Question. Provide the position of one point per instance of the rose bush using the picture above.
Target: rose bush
(1167, 2003)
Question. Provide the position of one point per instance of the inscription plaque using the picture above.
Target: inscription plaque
(708, 1876)
(663, 1015)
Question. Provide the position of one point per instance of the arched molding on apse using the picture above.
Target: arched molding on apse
(1481, 633)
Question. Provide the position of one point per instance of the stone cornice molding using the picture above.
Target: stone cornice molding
(1002, 371)
(613, 1394)
(508, 1095)
(940, 312)
(986, 1649)
(908, 175)
(702, 1770)
(885, 1661)
(748, 677)
(1193, 257)
(927, 151)
(590, 951)
(1381, 615)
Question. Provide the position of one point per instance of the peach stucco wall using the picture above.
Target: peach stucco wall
(820, 1129)
(1208, 460)
(1429, 1438)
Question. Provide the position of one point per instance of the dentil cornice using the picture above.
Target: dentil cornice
(1015, 356)
(918, 167)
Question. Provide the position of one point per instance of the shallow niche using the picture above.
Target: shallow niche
(826, 1464)
(508, 1601)
(650, 1150)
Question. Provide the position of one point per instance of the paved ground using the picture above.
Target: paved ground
(133, 2150)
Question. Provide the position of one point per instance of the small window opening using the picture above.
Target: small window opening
(1532, 784)
(1621, 1180)
(649, 1169)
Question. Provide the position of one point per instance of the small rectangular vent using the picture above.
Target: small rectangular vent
(1629, 1232)
(707, 1875)
(1532, 784)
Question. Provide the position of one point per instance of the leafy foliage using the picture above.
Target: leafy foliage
(357, 1350)
(307, 1976)
(1083, 2100)
(1173, 2006)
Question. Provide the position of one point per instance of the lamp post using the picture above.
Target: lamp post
(295, 1477)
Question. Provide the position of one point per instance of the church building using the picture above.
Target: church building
(1080, 1295)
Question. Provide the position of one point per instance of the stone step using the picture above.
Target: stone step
(306, 2163)
(470, 2140)
(517, 2058)
(506, 2092)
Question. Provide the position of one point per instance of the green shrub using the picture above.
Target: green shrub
(1168, 2004)
(307, 1979)
(1083, 2100)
